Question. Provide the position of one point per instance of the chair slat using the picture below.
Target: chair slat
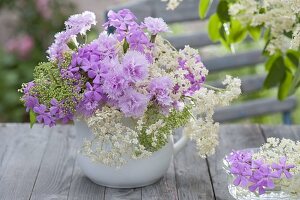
(254, 108)
(233, 61)
(187, 11)
(194, 40)
(249, 83)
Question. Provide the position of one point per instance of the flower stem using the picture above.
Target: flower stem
(213, 88)
(152, 39)
(125, 46)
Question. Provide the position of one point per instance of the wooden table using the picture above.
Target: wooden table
(40, 164)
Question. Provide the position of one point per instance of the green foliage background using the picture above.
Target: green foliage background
(16, 70)
(283, 67)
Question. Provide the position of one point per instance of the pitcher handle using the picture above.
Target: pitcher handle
(180, 144)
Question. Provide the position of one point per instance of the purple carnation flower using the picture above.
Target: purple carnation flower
(155, 25)
(81, 22)
(56, 50)
(133, 104)
(135, 66)
(160, 88)
(106, 45)
(115, 84)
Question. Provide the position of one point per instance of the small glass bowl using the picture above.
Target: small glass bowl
(241, 193)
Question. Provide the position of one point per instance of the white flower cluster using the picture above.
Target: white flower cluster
(172, 4)
(115, 139)
(273, 150)
(202, 129)
(280, 16)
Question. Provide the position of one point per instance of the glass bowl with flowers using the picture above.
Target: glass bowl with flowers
(126, 91)
(269, 172)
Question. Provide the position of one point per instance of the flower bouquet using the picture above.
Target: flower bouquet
(126, 91)
(270, 172)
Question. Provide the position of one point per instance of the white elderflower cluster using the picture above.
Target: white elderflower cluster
(114, 139)
(280, 16)
(273, 150)
(172, 4)
(202, 129)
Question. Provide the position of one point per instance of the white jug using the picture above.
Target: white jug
(135, 173)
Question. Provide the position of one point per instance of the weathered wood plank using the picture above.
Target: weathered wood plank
(232, 137)
(233, 61)
(54, 178)
(281, 131)
(84, 189)
(123, 194)
(192, 177)
(165, 189)
(24, 150)
(254, 108)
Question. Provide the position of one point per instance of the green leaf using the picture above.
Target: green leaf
(288, 34)
(32, 118)
(204, 7)
(237, 32)
(213, 28)
(222, 11)
(292, 60)
(270, 61)
(254, 32)
(276, 73)
(284, 87)
(296, 81)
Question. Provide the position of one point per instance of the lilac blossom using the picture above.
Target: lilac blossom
(44, 116)
(242, 172)
(240, 156)
(135, 66)
(155, 25)
(138, 40)
(282, 168)
(30, 102)
(93, 92)
(90, 60)
(262, 179)
(160, 88)
(81, 22)
(133, 104)
(256, 174)
(93, 98)
(122, 21)
(195, 83)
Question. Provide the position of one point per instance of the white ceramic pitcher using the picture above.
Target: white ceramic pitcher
(135, 173)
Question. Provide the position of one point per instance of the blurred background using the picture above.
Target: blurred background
(28, 28)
